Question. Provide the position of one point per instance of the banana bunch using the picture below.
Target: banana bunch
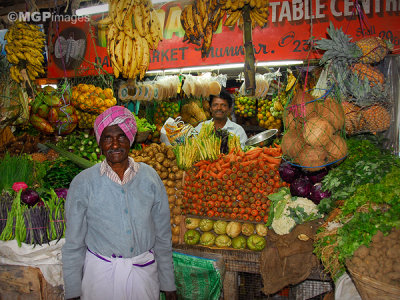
(134, 29)
(259, 11)
(200, 20)
(24, 48)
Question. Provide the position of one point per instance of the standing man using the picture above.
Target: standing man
(118, 237)
(221, 109)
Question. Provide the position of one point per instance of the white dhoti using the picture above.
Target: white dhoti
(113, 278)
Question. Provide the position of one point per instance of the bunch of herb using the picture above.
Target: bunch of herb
(60, 174)
(15, 169)
(371, 208)
(366, 163)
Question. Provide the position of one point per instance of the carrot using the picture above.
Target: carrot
(226, 165)
(270, 159)
(246, 163)
(254, 151)
(202, 163)
(218, 166)
(213, 174)
(200, 174)
(272, 152)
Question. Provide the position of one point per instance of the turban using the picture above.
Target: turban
(116, 115)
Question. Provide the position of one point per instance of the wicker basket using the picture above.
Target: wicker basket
(142, 136)
(371, 289)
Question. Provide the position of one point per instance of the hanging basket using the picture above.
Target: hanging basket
(371, 289)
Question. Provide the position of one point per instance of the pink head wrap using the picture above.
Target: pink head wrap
(116, 115)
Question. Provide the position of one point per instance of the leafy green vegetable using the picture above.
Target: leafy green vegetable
(366, 163)
(144, 125)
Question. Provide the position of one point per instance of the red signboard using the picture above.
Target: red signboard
(291, 25)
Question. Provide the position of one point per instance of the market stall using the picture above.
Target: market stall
(308, 205)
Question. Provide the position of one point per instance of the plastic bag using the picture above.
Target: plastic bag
(175, 131)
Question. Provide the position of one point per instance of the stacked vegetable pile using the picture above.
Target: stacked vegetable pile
(51, 112)
(312, 136)
(368, 182)
(234, 186)
(162, 159)
(223, 234)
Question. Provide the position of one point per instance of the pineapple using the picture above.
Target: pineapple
(374, 49)
(374, 76)
(351, 113)
(375, 119)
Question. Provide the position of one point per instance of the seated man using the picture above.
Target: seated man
(221, 108)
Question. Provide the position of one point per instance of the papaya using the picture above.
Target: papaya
(53, 115)
(41, 124)
(43, 111)
(52, 100)
(65, 110)
(49, 89)
(37, 102)
(65, 128)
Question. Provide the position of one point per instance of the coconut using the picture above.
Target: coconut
(333, 112)
(292, 143)
(288, 120)
(312, 158)
(317, 132)
(336, 148)
(303, 106)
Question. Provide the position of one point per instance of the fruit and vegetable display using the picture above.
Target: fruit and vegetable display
(245, 106)
(52, 113)
(162, 159)
(313, 132)
(134, 30)
(365, 188)
(225, 234)
(202, 18)
(24, 48)
(164, 110)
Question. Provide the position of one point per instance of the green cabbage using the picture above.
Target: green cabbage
(206, 225)
(220, 227)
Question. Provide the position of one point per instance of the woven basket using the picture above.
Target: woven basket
(142, 136)
(371, 289)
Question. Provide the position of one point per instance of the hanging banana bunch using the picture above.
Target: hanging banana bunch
(134, 30)
(259, 11)
(200, 20)
(24, 48)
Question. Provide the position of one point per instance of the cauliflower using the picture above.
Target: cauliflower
(289, 211)
(283, 225)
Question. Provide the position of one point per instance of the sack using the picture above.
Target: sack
(174, 131)
(197, 277)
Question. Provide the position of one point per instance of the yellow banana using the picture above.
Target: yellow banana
(145, 60)
(128, 24)
(232, 19)
(132, 63)
(127, 55)
(138, 18)
(138, 50)
(119, 41)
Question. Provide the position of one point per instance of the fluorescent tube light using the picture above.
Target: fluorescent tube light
(52, 85)
(224, 66)
(279, 63)
(91, 10)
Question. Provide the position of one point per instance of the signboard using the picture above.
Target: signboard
(286, 37)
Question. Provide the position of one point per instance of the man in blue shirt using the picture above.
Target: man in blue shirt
(221, 109)
(118, 236)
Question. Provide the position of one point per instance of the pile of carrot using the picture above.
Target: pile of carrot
(235, 186)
